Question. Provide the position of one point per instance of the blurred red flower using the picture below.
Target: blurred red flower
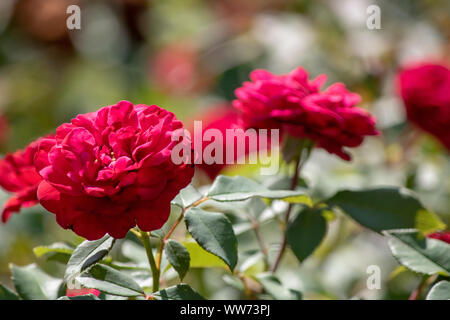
(109, 170)
(4, 128)
(425, 89)
(442, 235)
(19, 176)
(295, 105)
(222, 117)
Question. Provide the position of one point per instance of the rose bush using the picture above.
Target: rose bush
(111, 171)
(108, 171)
(295, 105)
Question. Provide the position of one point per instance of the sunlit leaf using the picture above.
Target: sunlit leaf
(419, 254)
(86, 255)
(214, 233)
(111, 281)
(200, 258)
(239, 188)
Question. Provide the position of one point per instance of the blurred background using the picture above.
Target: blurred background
(188, 56)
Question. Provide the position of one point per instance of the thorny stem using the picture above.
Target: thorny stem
(145, 238)
(262, 246)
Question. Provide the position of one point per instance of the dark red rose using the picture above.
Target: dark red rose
(295, 105)
(108, 171)
(425, 90)
(442, 235)
(19, 176)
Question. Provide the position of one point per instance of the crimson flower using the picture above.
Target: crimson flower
(295, 105)
(425, 89)
(19, 176)
(110, 170)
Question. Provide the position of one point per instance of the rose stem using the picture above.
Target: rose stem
(294, 183)
(144, 236)
(424, 282)
(172, 229)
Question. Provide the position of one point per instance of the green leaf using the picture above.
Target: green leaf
(440, 291)
(60, 252)
(306, 232)
(274, 287)
(86, 255)
(7, 294)
(26, 284)
(419, 254)
(214, 233)
(181, 291)
(178, 257)
(239, 188)
(387, 208)
(200, 258)
(187, 197)
(111, 281)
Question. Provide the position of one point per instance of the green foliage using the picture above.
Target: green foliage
(111, 281)
(419, 254)
(200, 258)
(386, 208)
(60, 252)
(178, 257)
(306, 232)
(181, 291)
(86, 255)
(239, 188)
(7, 294)
(187, 197)
(27, 284)
(273, 286)
(214, 233)
(440, 291)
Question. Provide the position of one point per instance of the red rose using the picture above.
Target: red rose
(295, 105)
(221, 118)
(425, 90)
(108, 171)
(443, 236)
(19, 176)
